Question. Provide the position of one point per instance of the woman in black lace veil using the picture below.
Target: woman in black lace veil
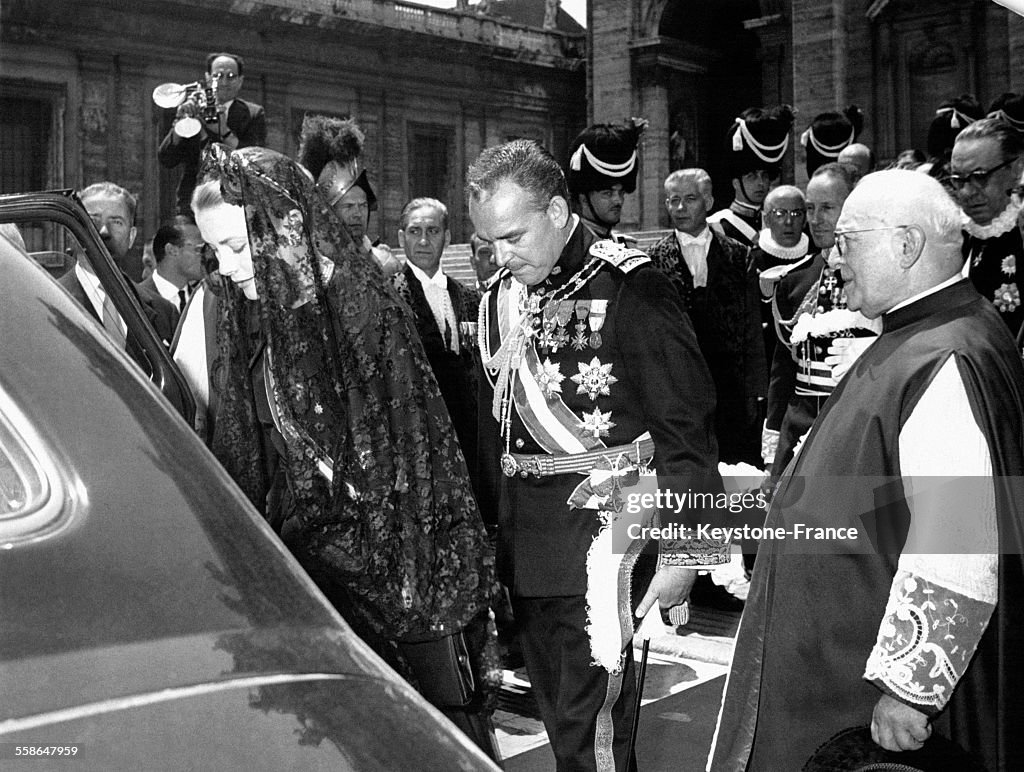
(318, 353)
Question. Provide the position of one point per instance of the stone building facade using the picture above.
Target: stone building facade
(690, 66)
(430, 88)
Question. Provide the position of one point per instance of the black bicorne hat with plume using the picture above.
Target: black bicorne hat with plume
(1009, 107)
(604, 155)
(951, 117)
(829, 134)
(758, 139)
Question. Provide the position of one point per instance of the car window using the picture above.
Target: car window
(31, 488)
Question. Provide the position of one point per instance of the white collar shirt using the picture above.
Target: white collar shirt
(695, 253)
(97, 296)
(167, 290)
(435, 288)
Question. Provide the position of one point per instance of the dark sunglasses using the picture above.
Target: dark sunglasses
(978, 177)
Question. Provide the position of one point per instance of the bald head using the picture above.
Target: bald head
(858, 156)
(785, 214)
(900, 235)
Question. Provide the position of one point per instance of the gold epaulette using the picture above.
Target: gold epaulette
(618, 255)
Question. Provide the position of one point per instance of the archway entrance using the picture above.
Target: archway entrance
(721, 78)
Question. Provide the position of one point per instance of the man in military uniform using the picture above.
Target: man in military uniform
(591, 371)
(985, 166)
(809, 290)
(602, 170)
(755, 145)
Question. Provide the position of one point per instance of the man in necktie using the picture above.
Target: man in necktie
(178, 249)
(112, 210)
(445, 314)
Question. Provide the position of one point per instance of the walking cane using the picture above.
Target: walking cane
(639, 698)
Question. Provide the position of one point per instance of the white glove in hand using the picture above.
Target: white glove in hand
(844, 352)
(769, 445)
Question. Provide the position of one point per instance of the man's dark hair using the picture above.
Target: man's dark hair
(523, 162)
(423, 201)
(837, 170)
(1011, 141)
(238, 60)
(171, 232)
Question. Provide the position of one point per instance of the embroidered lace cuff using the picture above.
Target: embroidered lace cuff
(694, 553)
(925, 642)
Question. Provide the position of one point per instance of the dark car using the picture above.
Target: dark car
(149, 618)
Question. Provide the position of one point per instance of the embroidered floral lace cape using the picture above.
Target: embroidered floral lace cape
(398, 528)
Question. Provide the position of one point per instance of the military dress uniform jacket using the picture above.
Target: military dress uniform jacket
(617, 358)
(993, 272)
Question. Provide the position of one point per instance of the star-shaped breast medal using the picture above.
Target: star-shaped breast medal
(597, 424)
(594, 379)
(549, 378)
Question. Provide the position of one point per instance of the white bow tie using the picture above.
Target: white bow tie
(686, 240)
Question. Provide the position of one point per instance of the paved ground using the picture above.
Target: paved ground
(685, 675)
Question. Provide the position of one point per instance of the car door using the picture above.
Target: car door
(54, 224)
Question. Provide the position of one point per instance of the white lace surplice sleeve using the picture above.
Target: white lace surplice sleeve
(945, 587)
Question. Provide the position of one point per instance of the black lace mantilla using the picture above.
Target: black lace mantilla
(398, 527)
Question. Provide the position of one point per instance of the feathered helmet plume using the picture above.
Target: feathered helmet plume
(330, 148)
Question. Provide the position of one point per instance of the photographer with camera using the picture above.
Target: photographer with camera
(211, 112)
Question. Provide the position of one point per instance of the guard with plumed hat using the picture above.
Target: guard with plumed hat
(330, 149)
(755, 145)
(602, 169)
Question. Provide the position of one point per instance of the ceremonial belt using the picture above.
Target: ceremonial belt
(814, 378)
(548, 464)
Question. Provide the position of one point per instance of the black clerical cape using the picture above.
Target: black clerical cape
(811, 619)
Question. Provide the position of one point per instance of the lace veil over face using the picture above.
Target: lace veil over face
(395, 534)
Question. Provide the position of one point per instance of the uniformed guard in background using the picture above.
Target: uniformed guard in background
(601, 172)
(755, 145)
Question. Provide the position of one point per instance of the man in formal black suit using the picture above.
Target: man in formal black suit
(718, 287)
(112, 209)
(178, 250)
(446, 314)
(239, 124)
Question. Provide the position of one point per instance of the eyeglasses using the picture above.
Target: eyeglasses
(841, 235)
(978, 177)
(229, 76)
(781, 214)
